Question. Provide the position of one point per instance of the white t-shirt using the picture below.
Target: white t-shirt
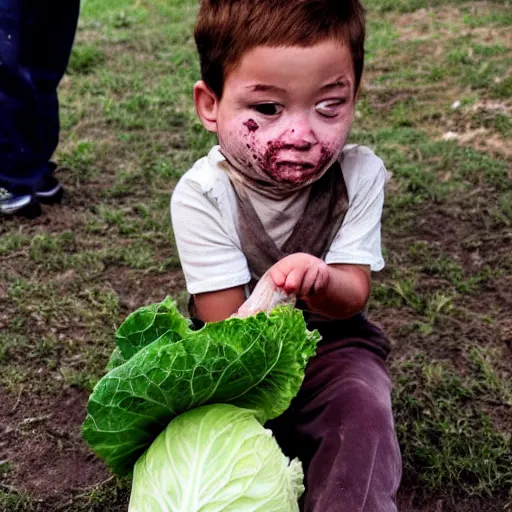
(205, 220)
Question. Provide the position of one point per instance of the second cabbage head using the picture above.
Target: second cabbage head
(217, 458)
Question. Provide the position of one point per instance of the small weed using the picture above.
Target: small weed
(381, 34)
(5, 467)
(13, 501)
(80, 379)
(13, 242)
(494, 17)
(505, 205)
(498, 122)
(437, 306)
(384, 295)
(407, 291)
(137, 256)
(13, 376)
(111, 495)
(50, 248)
(501, 88)
(445, 267)
(79, 159)
(11, 343)
(88, 263)
(483, 360)
(84, 59)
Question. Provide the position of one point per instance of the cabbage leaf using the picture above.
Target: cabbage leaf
(147, 324)
(255, 363)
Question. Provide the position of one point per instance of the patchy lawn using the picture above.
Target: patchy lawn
(436, 106)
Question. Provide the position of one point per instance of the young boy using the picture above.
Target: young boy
(283, 194)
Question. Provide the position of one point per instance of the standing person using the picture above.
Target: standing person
(282, 195)
(36, 37)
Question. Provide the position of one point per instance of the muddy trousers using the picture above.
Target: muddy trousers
(340, 424)
(36, 38)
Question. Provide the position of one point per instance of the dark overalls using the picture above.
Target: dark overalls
(36, 37)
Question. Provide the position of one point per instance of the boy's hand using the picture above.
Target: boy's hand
(301, 274)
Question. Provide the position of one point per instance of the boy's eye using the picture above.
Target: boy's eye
(268, 109)
(330, 108)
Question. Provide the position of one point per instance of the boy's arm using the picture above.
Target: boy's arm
(218, 305)
(346, 293)
(336, 290)
(214, 266)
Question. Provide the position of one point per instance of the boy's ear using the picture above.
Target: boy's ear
(206, 104)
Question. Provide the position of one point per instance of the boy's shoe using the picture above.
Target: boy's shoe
(18, 204)
(50, 190)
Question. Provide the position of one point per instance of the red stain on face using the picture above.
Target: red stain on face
(295, 171)
(251, 125)
(285, 161)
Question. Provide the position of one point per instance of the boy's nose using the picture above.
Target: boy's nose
(299, 136)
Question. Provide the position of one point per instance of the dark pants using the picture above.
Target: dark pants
(36, 37)
(340, 424)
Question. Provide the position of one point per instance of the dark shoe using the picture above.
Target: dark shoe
(50, 190)
(12, 203)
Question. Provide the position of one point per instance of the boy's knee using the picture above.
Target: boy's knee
(371, 403)
(359, 405)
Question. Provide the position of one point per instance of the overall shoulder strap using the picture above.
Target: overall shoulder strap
(313, 233)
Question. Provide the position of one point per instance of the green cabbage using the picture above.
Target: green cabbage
(256, 363)
(216, 458)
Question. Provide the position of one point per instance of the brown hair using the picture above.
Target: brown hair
(226, 29)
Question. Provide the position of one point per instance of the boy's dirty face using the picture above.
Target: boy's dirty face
(287, 112)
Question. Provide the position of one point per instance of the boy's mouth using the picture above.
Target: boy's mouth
(295, 165)
(292, 171)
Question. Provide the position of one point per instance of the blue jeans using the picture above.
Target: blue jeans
(36, 37)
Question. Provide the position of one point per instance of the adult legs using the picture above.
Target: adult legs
(16, 94)
(341, 426)
(36, 37)
(49, 28)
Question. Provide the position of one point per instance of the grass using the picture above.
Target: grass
(435, 106)
(449, 439)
